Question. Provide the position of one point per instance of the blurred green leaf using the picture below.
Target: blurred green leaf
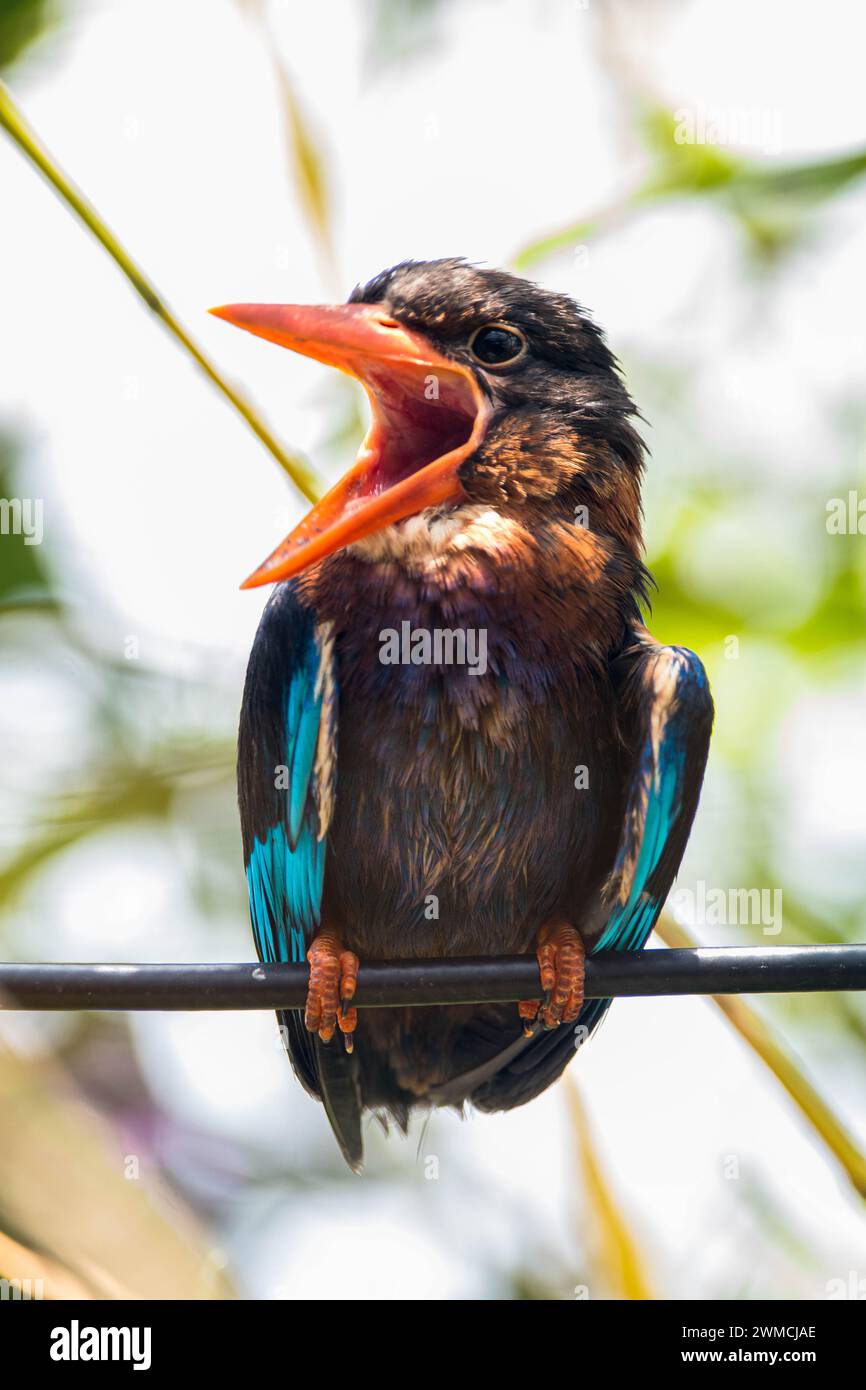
(400, 29)
(308, 165)
(22, 22)
(307, 160)
(771, 203)
(117, 793)
(22, 574)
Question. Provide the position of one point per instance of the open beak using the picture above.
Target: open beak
(428, 415)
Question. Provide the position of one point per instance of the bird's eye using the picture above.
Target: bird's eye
(497, 344)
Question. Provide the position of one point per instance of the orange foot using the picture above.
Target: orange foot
(561, 959)
(333, 981)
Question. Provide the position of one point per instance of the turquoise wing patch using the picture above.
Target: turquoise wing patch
(674, 699)
(286, 755)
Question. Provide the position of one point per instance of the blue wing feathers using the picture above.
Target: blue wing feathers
(675, 710)
(285, 850)
(286, 796)
(630, 925)
(285, 888)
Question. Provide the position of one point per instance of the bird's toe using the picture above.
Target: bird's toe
(561, 960)
(333, 981)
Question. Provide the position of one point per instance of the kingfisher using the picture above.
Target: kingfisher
(457, 736)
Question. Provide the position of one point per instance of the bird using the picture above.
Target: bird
(457, 735)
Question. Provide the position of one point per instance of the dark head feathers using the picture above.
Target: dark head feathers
(561, 434)
(449, 298)
(569, 369)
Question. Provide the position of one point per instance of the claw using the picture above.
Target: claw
(333, 981)
(561, 959)
(528, 1010)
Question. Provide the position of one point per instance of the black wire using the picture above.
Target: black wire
(464, 980)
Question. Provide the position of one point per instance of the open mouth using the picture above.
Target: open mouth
(428, 415)
(417, 417)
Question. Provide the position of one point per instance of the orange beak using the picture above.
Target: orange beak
(428, 415)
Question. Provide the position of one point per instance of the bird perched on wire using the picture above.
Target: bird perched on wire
(457, 736)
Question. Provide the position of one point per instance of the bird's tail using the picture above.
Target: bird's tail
(327, 1071)
(536, 1063)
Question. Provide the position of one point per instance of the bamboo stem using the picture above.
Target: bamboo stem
(618, 1255)
(784, 1066)
(301, 473)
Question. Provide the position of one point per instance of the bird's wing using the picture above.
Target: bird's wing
(664, 700)
(287, 755)
(286, 760)
(666, 711)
